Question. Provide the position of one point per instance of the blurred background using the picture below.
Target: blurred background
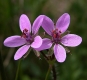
(33, 68)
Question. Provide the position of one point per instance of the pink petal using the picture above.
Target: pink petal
(21, 51)
(46, 44)
(37, 42)
(71, 40)
(48, 25)
(14, 41)
(63, 22)
(37, 23)
(60, 53)
(24, 23)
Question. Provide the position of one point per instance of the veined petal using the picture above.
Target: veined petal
(37, 23)
(63, 22)
(14, 41)
(46, 44)
(60, 53)
(48, 25)
(21, 51)
(37, 42)
(24, 23)
(71, 40)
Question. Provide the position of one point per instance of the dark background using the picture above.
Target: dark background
(33, 68)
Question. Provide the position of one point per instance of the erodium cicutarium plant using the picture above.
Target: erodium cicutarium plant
(57, 40)
(29, 37)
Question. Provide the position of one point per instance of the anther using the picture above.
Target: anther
(59, 31)
(25, 30)
(24, 33)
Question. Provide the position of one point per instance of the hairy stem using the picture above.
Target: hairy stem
(54, 73)
(18, 70)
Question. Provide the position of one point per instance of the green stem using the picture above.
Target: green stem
(46, 78)
(44, 55)
(18, 70)
(54, 73)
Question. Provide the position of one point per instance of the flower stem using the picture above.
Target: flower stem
(54, 73)
(18, 70)
(3, 76)
(49, 69)
(44, 55)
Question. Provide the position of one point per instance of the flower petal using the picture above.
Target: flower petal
(37, 23)
(37, 42)
(14, 41)
(48, 25)
(24, 23)
(21, 51)
(71, 40)
(63, 22)
(60, 53)
(46, 44)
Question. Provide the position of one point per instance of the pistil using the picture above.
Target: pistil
(56, 36)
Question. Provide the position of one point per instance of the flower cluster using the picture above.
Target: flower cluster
(57, 41)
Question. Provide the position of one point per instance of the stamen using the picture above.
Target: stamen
(24, 34)
(25, 30)
(56, 36)
(59, 31)
(28, 37)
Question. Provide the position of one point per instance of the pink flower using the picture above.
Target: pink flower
(28, 38)
(56, 31)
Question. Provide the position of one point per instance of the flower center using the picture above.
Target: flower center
(29, 38)
(56, 38)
